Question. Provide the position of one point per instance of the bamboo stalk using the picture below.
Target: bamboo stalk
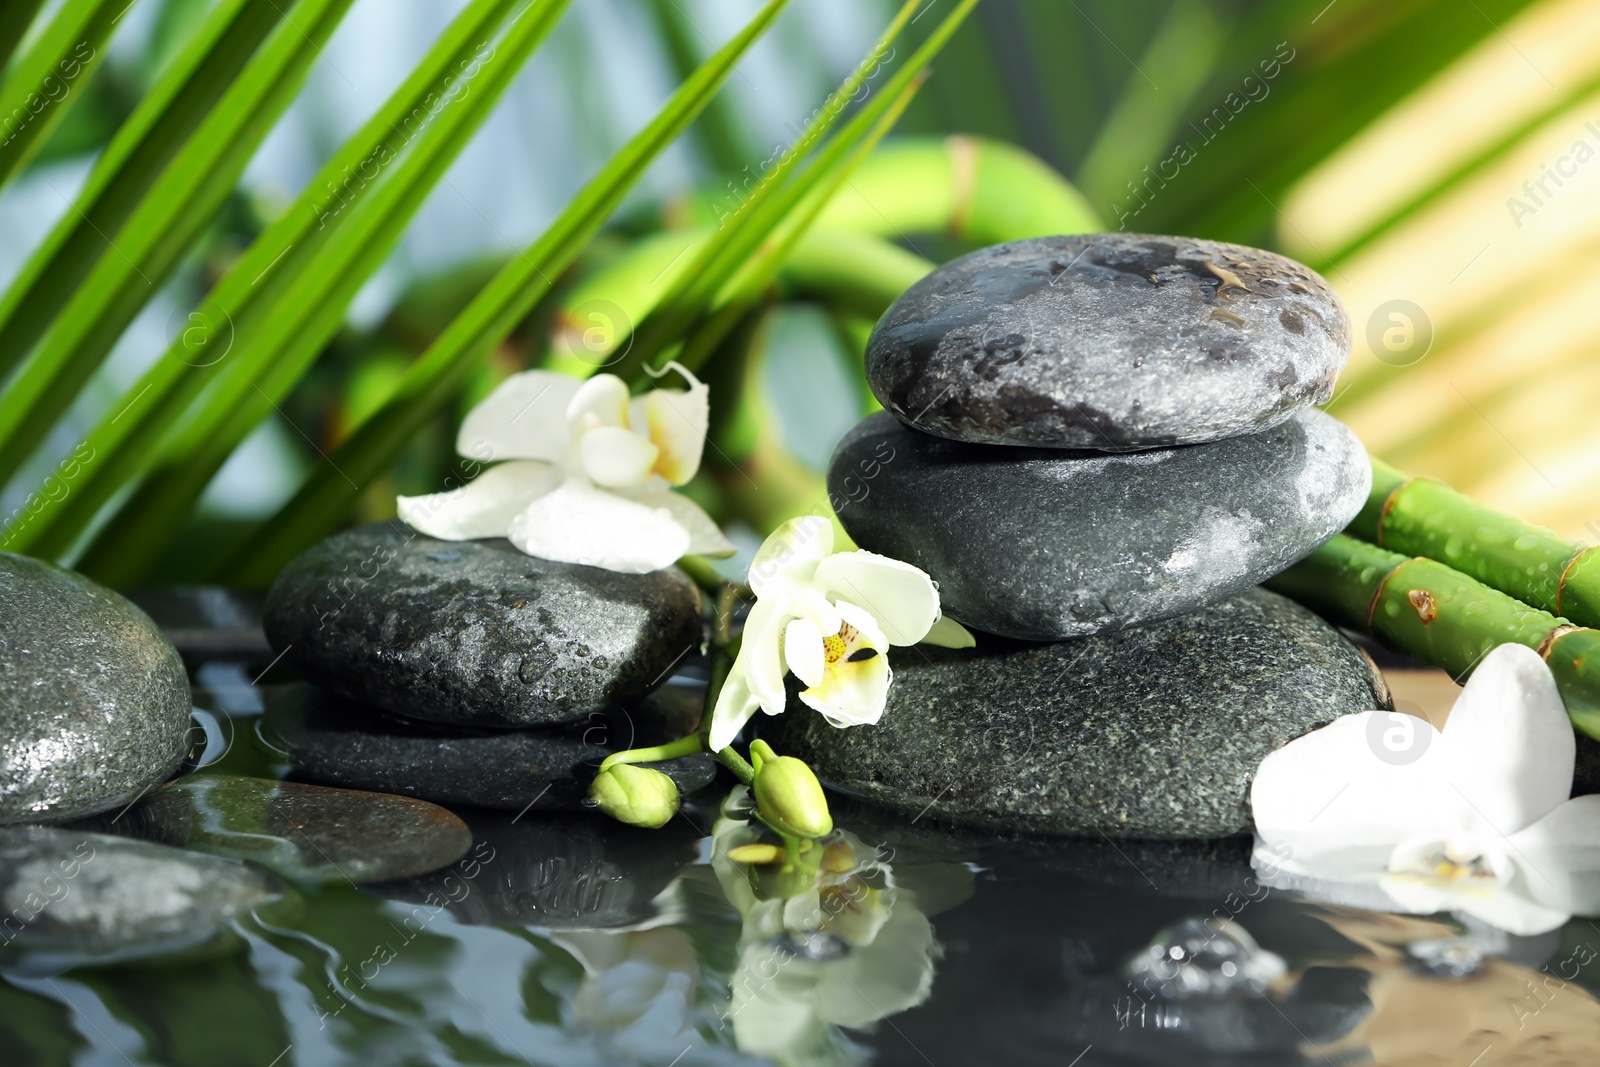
(1442, 617)
(1425, 517)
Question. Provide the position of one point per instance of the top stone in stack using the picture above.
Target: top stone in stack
(1102, 430)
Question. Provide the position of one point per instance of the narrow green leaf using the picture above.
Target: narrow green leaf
(178, 205)
(730, 250)
(691, 289)
(745, 288)
(49, 78)
(434, 379)
(275, 309)
(185, 93)
(15, 18)
(296, 329)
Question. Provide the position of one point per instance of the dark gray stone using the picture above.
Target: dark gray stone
(306, 833)
(68, 896)
(1109, 341)
(1043, 544)
(553, 870)
(476, 633)
(339, 743)
(94, 702)
(1151, 732)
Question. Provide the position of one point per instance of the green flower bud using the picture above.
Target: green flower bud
(788, 795)
(638, 796)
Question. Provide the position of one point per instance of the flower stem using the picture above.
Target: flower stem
(736, 763)
(683, 746)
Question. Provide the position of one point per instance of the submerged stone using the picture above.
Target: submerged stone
(475, 633)
(1044, 544)
(69, 897)
(1108, 341)
(94, 701)
(1150, 732)
(344, 744)
(306, 833)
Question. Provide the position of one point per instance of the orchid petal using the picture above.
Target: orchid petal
(605, 397)
(735, 705)
(854, 694)
(676, 421)
(1560, 856)
(791, 553)
(803, 651)
(577, 523)
(616, 458)
(1510, 745)
(523, 418)
(901, 597)
(761, 654)
(1341, 787)
(484, 507)
(947, 633)
(705, 538)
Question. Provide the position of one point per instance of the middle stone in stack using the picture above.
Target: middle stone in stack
(1084, 435)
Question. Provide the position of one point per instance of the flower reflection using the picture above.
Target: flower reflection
(834, 938)
(831, 937)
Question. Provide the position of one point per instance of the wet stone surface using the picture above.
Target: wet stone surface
(306, 833)
(1108, 341)
(68, 895)
(475, 633)
(1150, 732)
(94, 702)
(340, 743)
(1043, 545)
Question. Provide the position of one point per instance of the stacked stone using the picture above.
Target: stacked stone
(1097, 445)
(468, 673)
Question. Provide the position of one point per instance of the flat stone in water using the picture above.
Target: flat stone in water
(1153, 732)
(306, 833)
(1044, 545)
(70, 896)
(1108, 341)
(475, 633)
(94, 701)
(344, 744)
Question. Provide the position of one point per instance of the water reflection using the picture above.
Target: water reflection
(568, 940)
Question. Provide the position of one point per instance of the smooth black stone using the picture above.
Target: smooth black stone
(94, 701)
(475, 633)
(339, 743)
(1149, 732)
(69, 896)
(554, 870)
(306, 833)
(1043, 545)
(1108, 341)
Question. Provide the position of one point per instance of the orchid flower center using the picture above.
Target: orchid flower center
(849, 645)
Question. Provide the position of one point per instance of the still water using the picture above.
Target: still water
(571, 940)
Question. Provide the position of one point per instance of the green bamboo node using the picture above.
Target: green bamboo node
(1442, 617)
(1425, 517)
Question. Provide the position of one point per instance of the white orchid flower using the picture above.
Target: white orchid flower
(590, 473)
(1388, 812)
(829, 618)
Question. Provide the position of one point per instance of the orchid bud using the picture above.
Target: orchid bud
(788, 794)
(638, 796)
